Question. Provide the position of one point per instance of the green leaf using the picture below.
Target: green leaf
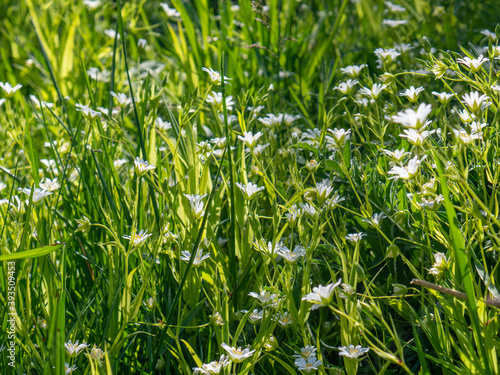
(31, 253)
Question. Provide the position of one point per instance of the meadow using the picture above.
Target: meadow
(249, 187)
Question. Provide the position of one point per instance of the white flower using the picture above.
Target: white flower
(197, 205)
(306, 352)
(355, 237)
(215, 77)
(40, 103)
(237, 355)
(285, 319)
(90, 114)
(141, 43)
(265, 297)
(142, 166)
(250, 139)
(250, 190)
(397, 155)
(50, 185)
(112, 34)
(310, 210)
(38, 194)
(374, 92)
(347, 88)
(8, 90)
(475, 102)
(386, 56)
(69, 369)
(255, 316)
(323, 191)
(394, 23)
(73, 349)
(443, 97)
(334, 201)
(473, 64)
(410, 118)
(92, 4)
(412, 93)
(119, 162)
(289, 119)
(123, 99)
(491, 36)
(291, 256)
(321, 295)
(352, 352)
(213, 367)
(402, 47)
(353, 70)
(307, 365)
(416, 137)
(312, 165)
(407, 172)
(292, 216)
(163, 125)
(97, 75)
(171, 12)
(375, 219)
(395, 8)
(216, 99)
(440, 265)
(138, 238)
(465, 138)
(96, 353)
(432, 204)
(199, 258)
(339, 136)
(271, 120)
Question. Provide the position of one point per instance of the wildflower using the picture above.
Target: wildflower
(151, 303)
(412, 93)
(119, 162)
(347, 88)
(186, 255)
(123, 99)
(395, 8)
(416, 137)
(163, 125)
(285, 319)
(374, 92)
(439, 69)
(138, 238)
(83, 225)
(89, 114)
(310, 210)
(394, 23)
(347, 290)
(96, 353)
(237, 355)
(432, 204)
(339, 136)
(321, 295)
(255, 316)
(171, 13)
(473, 64)
(410, 118)
(490, 35)
(250, 139)
(197, 205)
(289, 119)
(8, 90)
(265, 297)
(98, 75)
(440, 265)
(443, 97)
(407, 172)
(323, 191)
(169, 237)
(112, 34)
(292, 216)
(353, 352)
(307, 365)
(249, 191)
(465, 138)
(353, 70)
(292, 256)
(141, 43)
(306, 352)
(50, 185)
(68, 369)
(216, 100)
(92, 4)
(475, 102)
(73, 349)
(271, 120)
(213, 367)
(38, 194)
(142, 167)
(312, 165)
(375, 219)
(40, 103)
(334, 201)
(42, 323)
(402, 47)
(397, 155)
(386, 56)
(355, 237)
(215, 77)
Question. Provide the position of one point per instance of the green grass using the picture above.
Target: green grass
(147, 307)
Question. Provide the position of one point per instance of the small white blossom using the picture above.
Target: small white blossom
(249, 191)
(307, 364)
(215, 76)
(8, 90)
(50, 185)
(199, 258)
(142, 166)
(171, 12)
(353, 70)
(321, 295)
(473, 64)
(443, 97)
(410, 118)
(73, 349)
(250, 139)
(353, 352)
(412, 93)
(237, 355)
(137, 238)
(407, 172)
